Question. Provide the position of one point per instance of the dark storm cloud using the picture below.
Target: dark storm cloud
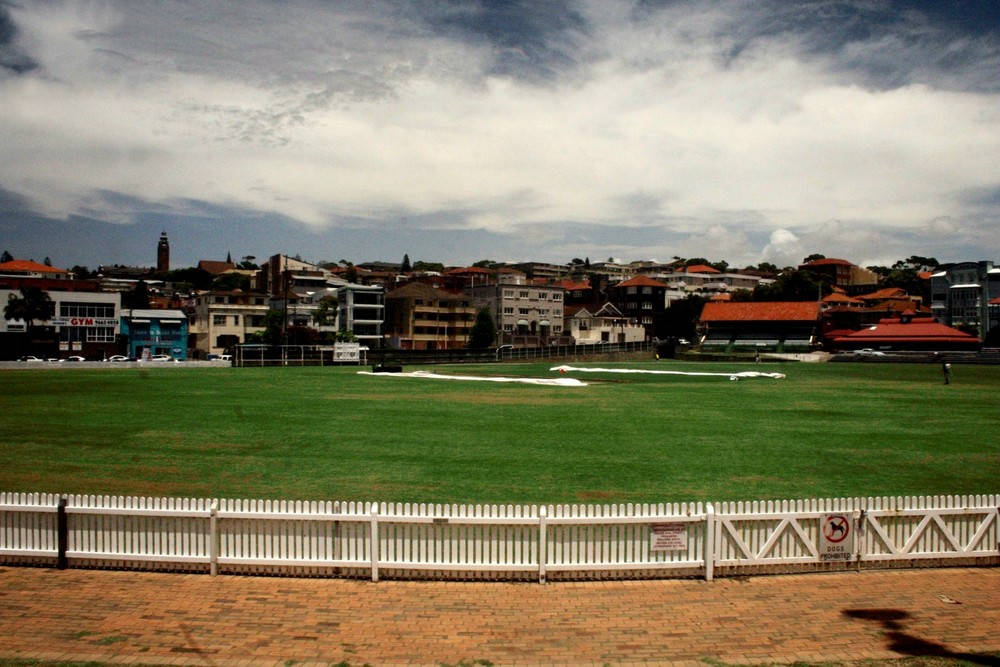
(882, 44)
(12, 58)
(529, 40)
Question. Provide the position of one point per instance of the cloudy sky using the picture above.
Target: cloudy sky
(460, 130)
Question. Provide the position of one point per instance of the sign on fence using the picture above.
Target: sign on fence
(836, 538)
(668, 537)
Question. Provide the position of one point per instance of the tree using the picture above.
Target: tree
(483, 333)
(813, 257)
(47, 262)
(405, 267)
(437, 267)
(274, 328)
(792, 286)
(137, 297)
(351, 275)
(680, 319)
(82, 272)
(33, 304)
(228, 282)
(484, 264)
(326, 312)
(346, 336)
(6, 257)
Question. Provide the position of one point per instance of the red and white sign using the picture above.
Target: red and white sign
(83, 321)
(836, 538)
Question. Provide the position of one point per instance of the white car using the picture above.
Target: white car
(31, 358)
(869, 352)
(117, 358)
(73, 358)
(161, 357)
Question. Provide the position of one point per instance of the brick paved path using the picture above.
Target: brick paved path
(249, 621)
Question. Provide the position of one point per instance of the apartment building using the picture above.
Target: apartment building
(961, 294)
(218, 320)
(525, 314)
(422, 317)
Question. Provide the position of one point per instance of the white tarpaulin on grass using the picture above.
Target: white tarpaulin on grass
(553, 382)
(732, 376)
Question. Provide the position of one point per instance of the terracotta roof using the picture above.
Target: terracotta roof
(418, 289)
(570, 285)
(887, 293)
(917, 330)
(995, 302)
(725, 296)
(26, 265)
(755, 311)
(640, 281)
(215, 267)
(467, 270)
(698, 268)
(838, 297)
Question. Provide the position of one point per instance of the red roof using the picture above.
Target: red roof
(887, 293)
(26, 265)
(838, 297)
(757, 311)
(569, 285)
(917, 330)
(467, 270)
(640, 281)
(698, 268)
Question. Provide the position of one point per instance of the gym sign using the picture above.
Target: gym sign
(84, 321)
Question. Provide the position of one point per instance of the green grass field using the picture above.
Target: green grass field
(826, 430)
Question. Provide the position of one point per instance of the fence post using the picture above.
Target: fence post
(543, 548)
(213, 536)
(62, 535)
(374, 542)
(709, 541)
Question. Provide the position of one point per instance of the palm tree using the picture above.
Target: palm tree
(33, 304)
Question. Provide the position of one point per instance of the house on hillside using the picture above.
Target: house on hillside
(851, 278)
(605, 325)
(776, 326)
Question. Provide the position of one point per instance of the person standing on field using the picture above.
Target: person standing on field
(946, 371)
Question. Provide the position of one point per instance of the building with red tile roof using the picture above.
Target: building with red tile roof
(908, 332)
(842, 273)
(772, 325)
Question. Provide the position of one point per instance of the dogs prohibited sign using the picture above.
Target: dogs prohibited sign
(836, 537)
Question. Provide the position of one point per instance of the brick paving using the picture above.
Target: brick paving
(242, 621)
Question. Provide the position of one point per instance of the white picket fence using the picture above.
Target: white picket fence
(530, 542)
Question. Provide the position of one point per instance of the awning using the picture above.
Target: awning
(544, 323)
(522, 323)
(167, 321)
(138, 321)
(970, 285)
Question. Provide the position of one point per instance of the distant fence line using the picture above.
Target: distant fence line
(324, 355)
(522, 542)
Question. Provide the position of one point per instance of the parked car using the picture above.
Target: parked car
(119, 357)
(31, 358)
(161, 357)
(869, 352)
(73, 358)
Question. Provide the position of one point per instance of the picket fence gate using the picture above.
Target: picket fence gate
(528, 542)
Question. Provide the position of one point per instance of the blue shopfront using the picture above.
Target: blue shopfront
(155, 332)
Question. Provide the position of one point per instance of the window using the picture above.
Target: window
(647, 305)
(543, 296)
(523, 294)
(100, 334)
(508, 310)
(557, 296)
(83, 309)
(219, 320)
(236, 320)
(522, 311)
(647, 290)
(631, 290)
(508, 294)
